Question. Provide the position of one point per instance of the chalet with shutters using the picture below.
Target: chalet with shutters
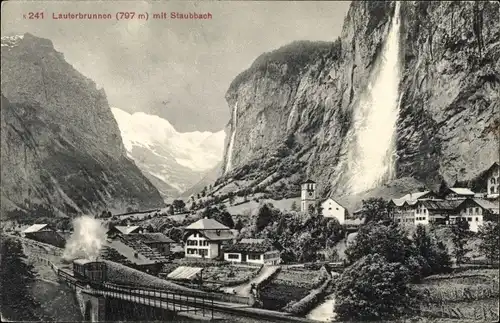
(44, 233)
(252, 251)
(205, 237)
(492, 177)
(458, 193)
(476, 211)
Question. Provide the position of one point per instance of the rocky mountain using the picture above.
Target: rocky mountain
(302, 110)
(173, 161)
(61, 150)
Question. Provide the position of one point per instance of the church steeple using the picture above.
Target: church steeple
(308, 195)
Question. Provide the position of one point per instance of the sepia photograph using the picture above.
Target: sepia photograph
(250, 161)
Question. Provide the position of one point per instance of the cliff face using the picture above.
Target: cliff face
(296, 104)
(61, 146)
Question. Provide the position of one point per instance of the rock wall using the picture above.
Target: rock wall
(62, 151)
(295, 105)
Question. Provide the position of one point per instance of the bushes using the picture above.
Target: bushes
(374, 289)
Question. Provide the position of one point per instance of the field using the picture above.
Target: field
(289, 285)
(470, 294)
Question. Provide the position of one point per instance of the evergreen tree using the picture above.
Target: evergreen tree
(239, 225)
(437, 259)
(490, 240)
(460, 237)
(16, 277)
(294, 206)
(264, 217)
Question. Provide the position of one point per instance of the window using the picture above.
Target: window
(253, 257)
(492, 180)
(233, 256)
(469, 219)
(477, 219)
(477, 210)
(329, 208)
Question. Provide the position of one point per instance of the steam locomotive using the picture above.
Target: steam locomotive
(93, 273)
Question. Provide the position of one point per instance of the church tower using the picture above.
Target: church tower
(308, 195)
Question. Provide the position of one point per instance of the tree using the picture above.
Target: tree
(390, 241)
(231, 199)
(171, 210)
(150, 228)
(175, 234)
(239, 225)
(460, 237)
(489, 233)
(374, 289)
(226, 219)
(264, 217)
(294, 206)
(443, 189)
(63, 224)
(433, 251)
(179, 205)
(193, 206)
(16, 276)
(375, 210)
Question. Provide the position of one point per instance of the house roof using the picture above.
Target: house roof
(252, 240)
(206, 224)
(330, 198)
(127, 229)
(462, 191)
(130, 253)
(249, 247)
(487, 205)
(441, 205)
(411, 198)
(153, 237)
(184, 272)
(217, 235)
(495, 164)
(36, 227)
(309, 181)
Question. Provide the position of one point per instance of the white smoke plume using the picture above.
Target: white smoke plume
(87, 240)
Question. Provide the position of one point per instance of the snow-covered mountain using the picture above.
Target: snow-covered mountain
(173, 161)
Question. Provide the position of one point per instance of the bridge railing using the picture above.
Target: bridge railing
(178, 301)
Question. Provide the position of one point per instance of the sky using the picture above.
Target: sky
(179, 70)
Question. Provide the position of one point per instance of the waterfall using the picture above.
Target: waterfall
(229, 160)
(371, 156)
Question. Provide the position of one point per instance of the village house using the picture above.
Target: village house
(204, 238)
(492, 176)
(156, 241)
(332, 209)
(476, 212)
(252, 251)
(458, 193)
(44, 233)
(404, 210)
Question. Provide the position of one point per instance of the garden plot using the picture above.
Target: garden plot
(229, 274)
(289, 285)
